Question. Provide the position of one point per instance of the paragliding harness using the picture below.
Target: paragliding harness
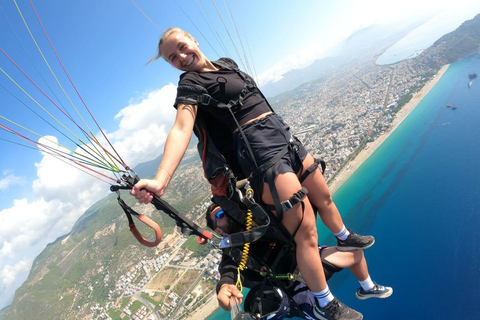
(237, 199)
(218, 173)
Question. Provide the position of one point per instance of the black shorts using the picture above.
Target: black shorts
(267, 137)
(328, 268)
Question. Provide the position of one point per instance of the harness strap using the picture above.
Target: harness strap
(259, 214)
(243, 136)
(143, 218)
(201, 96)
(240, 238)
(312, 168)
(187, 226)
(296, 198)
(269, 176)
(192, 94)
(288, 204)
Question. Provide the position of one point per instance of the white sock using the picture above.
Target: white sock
(343, 234)
(323, 297)
(367, 284)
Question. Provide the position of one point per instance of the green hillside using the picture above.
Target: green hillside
(458, 44)
(4, 312)
(78, 270)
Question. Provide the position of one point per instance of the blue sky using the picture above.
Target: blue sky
(104, 45)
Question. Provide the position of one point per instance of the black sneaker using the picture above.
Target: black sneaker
(376, 292)
(355, 241)
(336, 310)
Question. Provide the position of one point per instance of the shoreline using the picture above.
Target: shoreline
(206, 310)
(368, 150)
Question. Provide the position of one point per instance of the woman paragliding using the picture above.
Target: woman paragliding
(253, 139)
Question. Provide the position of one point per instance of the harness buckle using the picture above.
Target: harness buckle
(225, 243)
(293, 142)
(204, 99)
(286, 205)
(296, 198)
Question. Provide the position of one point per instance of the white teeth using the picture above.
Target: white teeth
(189, 62)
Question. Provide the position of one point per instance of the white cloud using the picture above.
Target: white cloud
(10, 179)
(144, 126)
(25, 229)
(10, 272)
(58, 180)
(62, 193)
(12, 276)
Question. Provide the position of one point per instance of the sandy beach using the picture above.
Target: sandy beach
(206, 310)
(353, 165)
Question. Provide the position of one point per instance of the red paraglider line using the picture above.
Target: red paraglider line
(55, 153)
(89, 136)
(78, 93)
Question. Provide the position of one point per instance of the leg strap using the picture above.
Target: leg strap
(312, 168)
(288, 204)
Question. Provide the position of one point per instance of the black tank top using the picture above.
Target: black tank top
(225, 85)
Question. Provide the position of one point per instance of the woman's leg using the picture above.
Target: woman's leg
(321, 198)
(307, 255)
(306, 238)
(355, 260)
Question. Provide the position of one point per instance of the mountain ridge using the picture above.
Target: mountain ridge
(348, 52)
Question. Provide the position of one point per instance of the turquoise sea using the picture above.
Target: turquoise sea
(419, 195)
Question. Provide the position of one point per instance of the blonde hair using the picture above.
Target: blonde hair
(167, 33)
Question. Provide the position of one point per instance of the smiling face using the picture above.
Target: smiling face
(183, 53)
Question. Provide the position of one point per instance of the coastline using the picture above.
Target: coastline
(205, 310)
(354, 164)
